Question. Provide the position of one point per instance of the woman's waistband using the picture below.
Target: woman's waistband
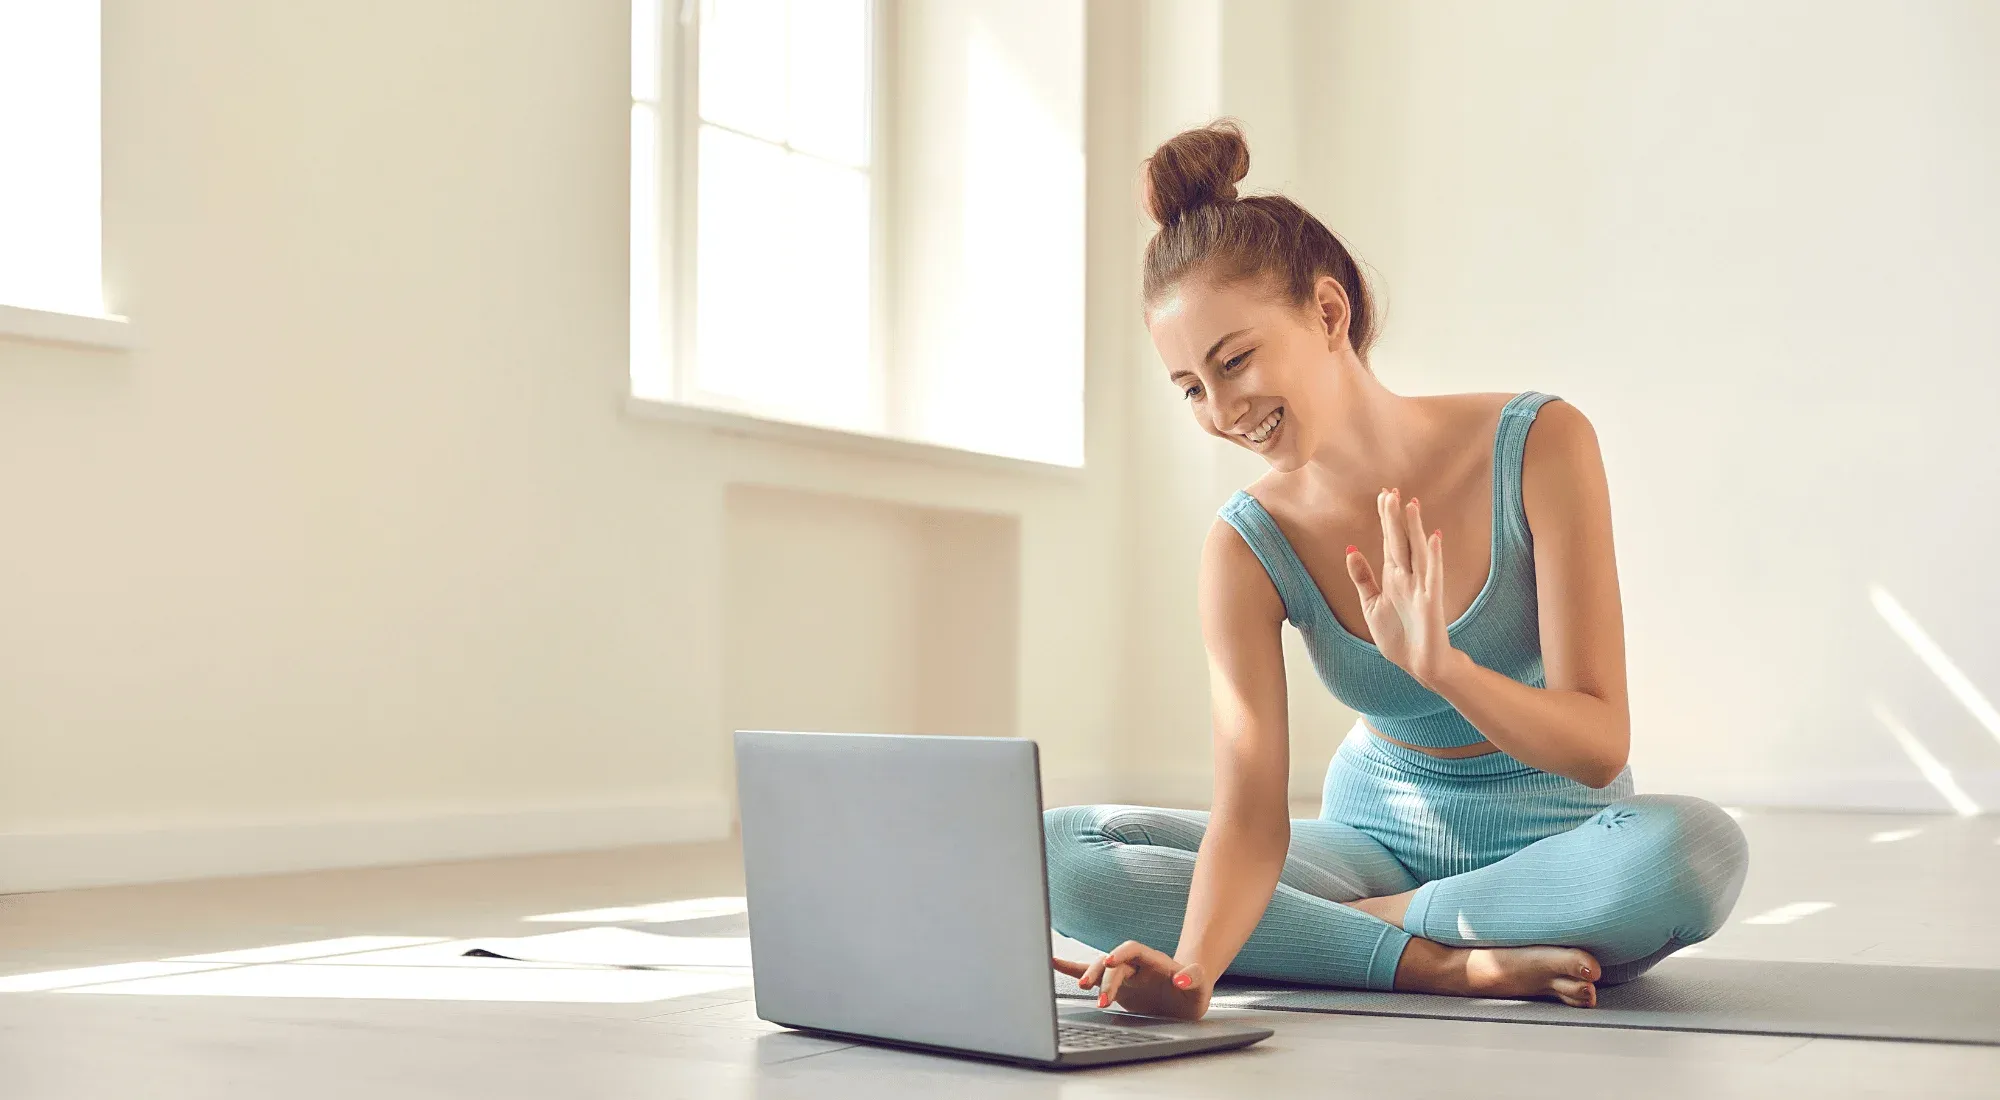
(1365, 746)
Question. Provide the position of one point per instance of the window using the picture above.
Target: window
(772, 275)
(51, 256)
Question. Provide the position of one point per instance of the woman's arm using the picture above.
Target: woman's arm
(1249, 825)
(1579, 725)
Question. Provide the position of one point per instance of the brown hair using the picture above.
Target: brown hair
(1205, 229)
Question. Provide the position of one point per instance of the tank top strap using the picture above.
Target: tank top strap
(1510, 446)
(1303, 601)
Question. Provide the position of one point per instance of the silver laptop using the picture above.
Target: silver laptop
(898, 894)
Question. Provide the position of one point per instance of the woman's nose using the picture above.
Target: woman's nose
(1228, 413)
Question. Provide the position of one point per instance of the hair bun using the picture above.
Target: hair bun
(1195, 168)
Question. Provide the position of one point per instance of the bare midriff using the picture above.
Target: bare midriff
(1460, 752)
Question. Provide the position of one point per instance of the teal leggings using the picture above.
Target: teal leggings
(1500, 855)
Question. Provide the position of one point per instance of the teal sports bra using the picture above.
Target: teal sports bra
(1500, 631)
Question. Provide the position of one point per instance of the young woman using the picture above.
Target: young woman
(1479, 834)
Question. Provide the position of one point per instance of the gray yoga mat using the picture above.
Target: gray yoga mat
(1839, 1000)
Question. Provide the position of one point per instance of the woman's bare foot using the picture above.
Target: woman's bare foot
(1566, 973)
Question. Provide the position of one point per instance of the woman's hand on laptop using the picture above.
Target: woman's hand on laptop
(1141, 979)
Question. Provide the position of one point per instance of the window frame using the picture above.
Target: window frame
(39, 323)
(677, 138)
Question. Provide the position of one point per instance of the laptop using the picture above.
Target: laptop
(898, 894)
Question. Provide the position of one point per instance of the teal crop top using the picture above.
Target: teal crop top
(1500, 631)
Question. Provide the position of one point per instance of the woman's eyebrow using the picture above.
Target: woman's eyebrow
(1217, 346)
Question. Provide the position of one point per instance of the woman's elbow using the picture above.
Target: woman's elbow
(1600, 778)
(1604, 772)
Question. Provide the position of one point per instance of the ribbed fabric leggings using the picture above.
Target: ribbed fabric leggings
(1500, 855)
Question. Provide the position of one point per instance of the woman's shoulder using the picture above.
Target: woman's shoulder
(1467, 411)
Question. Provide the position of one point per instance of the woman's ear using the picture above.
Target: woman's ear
(1330, 306)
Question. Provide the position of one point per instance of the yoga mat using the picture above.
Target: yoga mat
(1836, 1000)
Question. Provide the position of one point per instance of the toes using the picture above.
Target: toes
(1587, 968)
(1574, 993)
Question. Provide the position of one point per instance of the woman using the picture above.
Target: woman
(1479, 835)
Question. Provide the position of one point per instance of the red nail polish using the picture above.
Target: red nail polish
(1352, 550)
(1183, 981)
(1413, 500)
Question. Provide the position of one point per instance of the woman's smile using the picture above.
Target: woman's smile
(1267, 430)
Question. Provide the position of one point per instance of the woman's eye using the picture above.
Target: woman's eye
(1235, 362)
(1191, 392)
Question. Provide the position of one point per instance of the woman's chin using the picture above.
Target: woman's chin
(1283, 460)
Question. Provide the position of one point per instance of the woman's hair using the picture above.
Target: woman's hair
(1206, 230)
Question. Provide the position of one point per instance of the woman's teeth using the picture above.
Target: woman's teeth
(1263, 431)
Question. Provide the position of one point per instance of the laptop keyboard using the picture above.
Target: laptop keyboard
(1093, 1037)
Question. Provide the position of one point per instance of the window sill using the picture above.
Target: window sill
(51, 327)
(726, 422)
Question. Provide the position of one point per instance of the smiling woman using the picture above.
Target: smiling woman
(1479, 834)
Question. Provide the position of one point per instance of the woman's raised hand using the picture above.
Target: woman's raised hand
(1404, 607)
(1140, 979)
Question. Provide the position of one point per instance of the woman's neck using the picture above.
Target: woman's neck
(1374, 438)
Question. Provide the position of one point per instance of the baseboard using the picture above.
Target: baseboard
(72, 860)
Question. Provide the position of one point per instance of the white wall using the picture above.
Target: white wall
(359, 557)
(849, 614)
(1757, 245)
(987, 165)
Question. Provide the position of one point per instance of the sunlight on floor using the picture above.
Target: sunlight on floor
(317, 949)
(1786, 914)
(664, 912)
(426, 983)
(1890, 836)
(116, 972)
(604, 965)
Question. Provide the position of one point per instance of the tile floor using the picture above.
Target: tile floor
(228, 989)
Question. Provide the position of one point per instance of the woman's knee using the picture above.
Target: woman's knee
(1066, 825)
(1079, 839)
(1689, 859)
(1090, 864)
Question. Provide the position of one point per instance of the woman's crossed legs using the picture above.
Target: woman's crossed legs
(1640, 879)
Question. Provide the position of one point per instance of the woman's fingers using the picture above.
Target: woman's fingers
(1092, 973)
(1363, 576)
(1126, 960)
(1117, 967)
(1114, 977)
(1073, 969)
(1395, 537)
(1434, 574)
(1413, 527)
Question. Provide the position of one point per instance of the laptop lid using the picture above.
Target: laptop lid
(896, 888)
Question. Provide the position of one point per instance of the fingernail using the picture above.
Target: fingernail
(1102, 1001)
(1352, 550)
(1439, 533)
(1413, 500)
(1183, 981)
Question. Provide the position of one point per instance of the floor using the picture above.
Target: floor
(227, 989)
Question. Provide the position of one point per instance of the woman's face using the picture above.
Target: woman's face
(1251, 365)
